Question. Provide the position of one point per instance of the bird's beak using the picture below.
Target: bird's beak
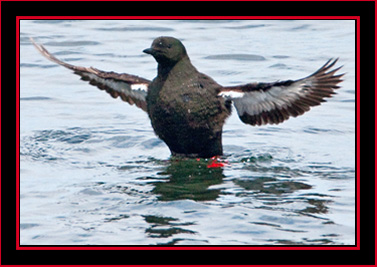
(148, 51)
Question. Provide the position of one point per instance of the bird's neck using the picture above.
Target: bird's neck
(163, 70)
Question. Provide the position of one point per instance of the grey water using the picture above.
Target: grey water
(92, 172)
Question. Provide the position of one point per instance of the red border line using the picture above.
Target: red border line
(184, 0)
(358, 132)
(17, 131)
(375, 131)
(356, 247)
(213, 247)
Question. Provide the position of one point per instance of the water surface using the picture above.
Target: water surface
(94, 173)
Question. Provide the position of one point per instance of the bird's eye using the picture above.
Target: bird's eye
(169, 46)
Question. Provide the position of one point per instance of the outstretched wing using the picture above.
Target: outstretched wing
(129, 88)
(273, 103)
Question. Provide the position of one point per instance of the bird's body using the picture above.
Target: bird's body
(188, 109)
(185, 110)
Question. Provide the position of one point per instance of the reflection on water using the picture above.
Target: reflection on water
(272, 186)
(188, 179)
(166, 227)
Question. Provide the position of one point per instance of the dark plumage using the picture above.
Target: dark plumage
(183, 104)
(188, 109)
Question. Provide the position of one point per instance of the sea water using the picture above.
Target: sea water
(92, 171)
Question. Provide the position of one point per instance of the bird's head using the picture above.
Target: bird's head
(166, 50)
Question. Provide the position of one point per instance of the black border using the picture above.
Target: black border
(9, 11)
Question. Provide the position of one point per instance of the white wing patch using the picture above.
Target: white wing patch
(139, 87)
(256, 102)
(231, 94)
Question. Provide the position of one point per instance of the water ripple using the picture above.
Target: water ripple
(237, 57)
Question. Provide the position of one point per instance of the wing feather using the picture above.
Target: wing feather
(273, 103)
(129, 88)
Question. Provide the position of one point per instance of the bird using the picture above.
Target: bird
(188, 109)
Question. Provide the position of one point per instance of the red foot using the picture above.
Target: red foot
(216, 164)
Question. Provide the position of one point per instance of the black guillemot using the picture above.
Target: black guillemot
(188, 109)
